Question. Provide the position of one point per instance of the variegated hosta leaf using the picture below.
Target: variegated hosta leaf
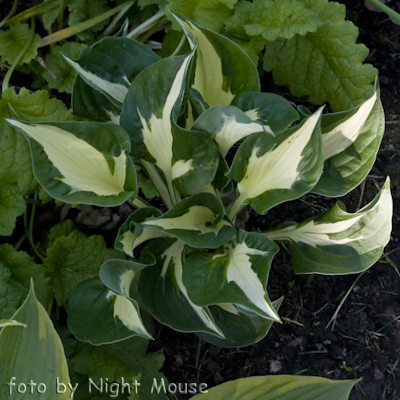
(164, 295)
(152, 104)
(102, 311)
(350, 141)
(268, 109)
(108, 67)
(196, 160)
(198, 221)
(238, 275)
(338, 242)
(240, 330)
(271, 169)
(81, 162)
(280, 387)
(227, 125)
(131, 235)
(219, 64)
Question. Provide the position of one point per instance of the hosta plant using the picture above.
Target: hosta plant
(198, 129)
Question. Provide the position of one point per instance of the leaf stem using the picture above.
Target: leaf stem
(236, 207)
(116, 19)
(158, 182)
(11, 13)
(82, 26)
(181, 43)
(10, 71)
(29, 229)
(146, 25)
(61, 14)
(395, 15)
(138, 202)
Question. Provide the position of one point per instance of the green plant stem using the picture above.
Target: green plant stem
(235, 207)
(138, 202)
(116, 19)
(10, 14)
(82, 26)
(29, 229)
(31, 12)
(61, 14)
(395, 15)
(10, 71)
(156, 28)
(158, 182)
(176, 51)
(20, 241)
(145, 26)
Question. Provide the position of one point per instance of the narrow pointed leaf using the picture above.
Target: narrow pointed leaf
(153, 102)
(102, 311)
(280, 387)
(240, 330)
(272, 169)
(81, 162)
(338, 242)
(239, 275)
(40, 342)
(164, 295)
(197, 220)
(109, 67)
(222, 69)
(350, 141)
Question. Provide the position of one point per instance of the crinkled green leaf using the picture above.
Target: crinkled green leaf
(207, 13)
(253, 47)
(82, 10)
(146, 186)
(325, 65)
(56, 63)
(18, 269)
(75, 258)
(273, 19)
(49, 17)
(128, 359)
(280, 387)
(338, 242)
(12, 205)
(59, 230)
(13, 40)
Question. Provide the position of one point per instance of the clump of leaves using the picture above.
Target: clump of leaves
(177, 118)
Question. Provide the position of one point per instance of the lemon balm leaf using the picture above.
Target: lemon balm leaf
(13, 40)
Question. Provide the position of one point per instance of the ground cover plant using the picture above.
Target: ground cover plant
(195, 131)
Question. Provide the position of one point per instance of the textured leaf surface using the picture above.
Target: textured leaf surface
(273, 19)
(63, 74)
(75, 258)
(280, 387)
(17, 270)
(207, 13)
(12, 205)
(13, 40)
(327, 64)
(338, 242)
(39, 341)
